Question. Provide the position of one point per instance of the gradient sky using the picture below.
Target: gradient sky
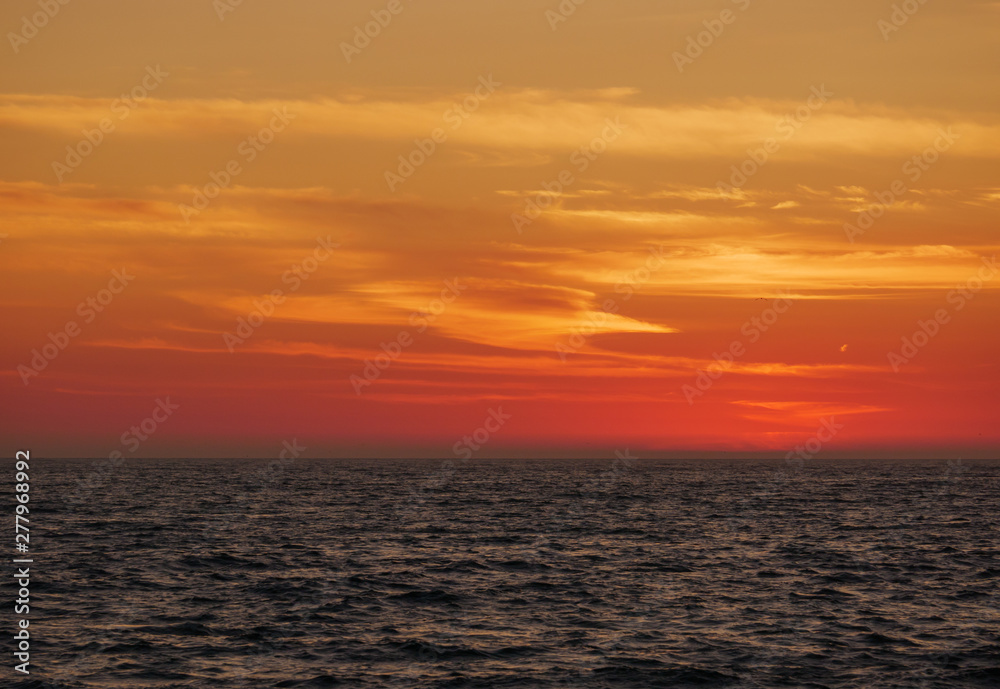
(724, 256)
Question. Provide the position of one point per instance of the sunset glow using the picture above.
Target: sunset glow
(367, 250)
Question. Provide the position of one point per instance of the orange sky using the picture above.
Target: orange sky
(544, 216)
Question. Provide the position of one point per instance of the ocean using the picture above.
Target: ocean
(616, 573)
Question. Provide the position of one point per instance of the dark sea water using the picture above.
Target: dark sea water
(618, 573)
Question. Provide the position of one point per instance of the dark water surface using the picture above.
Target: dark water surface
(514, 574)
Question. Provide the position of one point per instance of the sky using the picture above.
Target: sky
(481, 229)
